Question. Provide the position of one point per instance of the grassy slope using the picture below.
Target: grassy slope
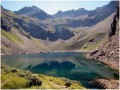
(39, 43)
(98, 40)
(12, 78)
(12, 37)
(21, 41)
(98, 32)
(18, 37)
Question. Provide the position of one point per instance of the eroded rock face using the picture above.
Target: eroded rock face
(103, 84)
(35, 30)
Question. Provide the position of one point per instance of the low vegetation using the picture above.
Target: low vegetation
(39, 43)
(12, 78)
(94, 41)
(12, 37)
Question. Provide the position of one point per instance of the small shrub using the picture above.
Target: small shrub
(33, 81)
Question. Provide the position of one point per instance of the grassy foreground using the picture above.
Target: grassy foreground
(12, 78)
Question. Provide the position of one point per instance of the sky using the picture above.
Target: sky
(52, 7)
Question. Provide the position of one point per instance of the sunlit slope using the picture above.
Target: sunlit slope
(14, 39)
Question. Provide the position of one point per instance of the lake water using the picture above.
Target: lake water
(72, 65)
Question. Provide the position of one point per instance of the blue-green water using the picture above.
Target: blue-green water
(72, 65)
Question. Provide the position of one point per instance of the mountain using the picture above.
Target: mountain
(16, 40)
(23, 34)
(108, 53)
(86, 38)
(71, 13)
(33, 12)
(26, 34)
(82, 17)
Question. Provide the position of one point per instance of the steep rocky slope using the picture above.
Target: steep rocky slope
(23, 34)
(38, 28)
(108, 53)
(14, 39)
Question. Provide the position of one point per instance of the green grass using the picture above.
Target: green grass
(12, 81)
(20, 79)
(94, 46)
(39, 43)
(12, 37)
(91, 47)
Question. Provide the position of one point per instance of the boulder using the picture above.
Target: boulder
(34, 81)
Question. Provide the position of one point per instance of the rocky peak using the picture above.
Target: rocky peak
(33, 12)
(27, 10)
(71, 13)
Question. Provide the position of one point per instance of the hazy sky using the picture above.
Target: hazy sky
(51, 7)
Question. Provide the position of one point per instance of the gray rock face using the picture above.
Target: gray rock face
(38, 32)
(71, 13)
(33, 12)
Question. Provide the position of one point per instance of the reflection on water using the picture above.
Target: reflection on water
(72, 65)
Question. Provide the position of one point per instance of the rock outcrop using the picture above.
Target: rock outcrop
(109, 84)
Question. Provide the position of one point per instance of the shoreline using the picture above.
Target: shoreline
(104, 83)
(96, 82)
(110, 65)
(2, 54)
(74, 51)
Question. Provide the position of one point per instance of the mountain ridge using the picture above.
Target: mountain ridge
(55, 31)
(33, 11)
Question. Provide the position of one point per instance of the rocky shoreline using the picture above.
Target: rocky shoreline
(48, 52)
(106, 84)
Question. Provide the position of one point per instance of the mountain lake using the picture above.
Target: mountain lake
(71, 65)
